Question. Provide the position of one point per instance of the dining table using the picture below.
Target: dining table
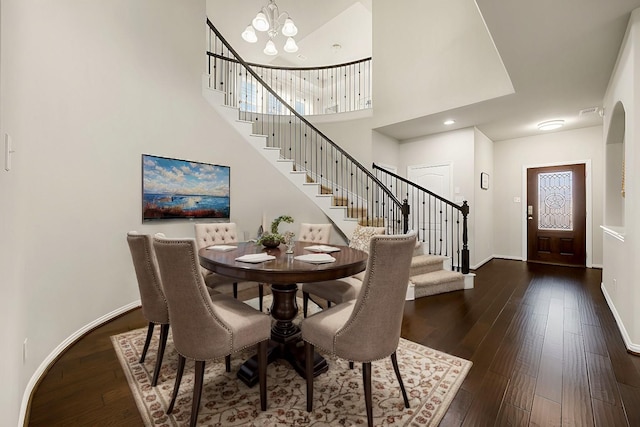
(282, 272)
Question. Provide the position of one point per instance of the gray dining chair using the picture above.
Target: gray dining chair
(220, 233)
(341, 290)
(152, 299)
(368, 328)
(205, 326)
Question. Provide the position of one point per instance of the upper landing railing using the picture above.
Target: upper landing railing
(274, 115)
(309, 90)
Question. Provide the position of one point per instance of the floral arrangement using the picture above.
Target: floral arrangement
(274, 238)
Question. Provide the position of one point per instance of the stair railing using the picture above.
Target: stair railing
(325, 163)
(328, 89)
(441, 224)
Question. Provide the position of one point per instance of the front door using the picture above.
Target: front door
(556, 215)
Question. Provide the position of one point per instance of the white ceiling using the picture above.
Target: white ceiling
(559, 55)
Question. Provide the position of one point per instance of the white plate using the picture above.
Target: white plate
(222, 248)
(255, 258)
(322, 248)
(315, 258)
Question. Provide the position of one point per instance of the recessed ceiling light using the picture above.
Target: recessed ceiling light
(449, 122)
(550, 124)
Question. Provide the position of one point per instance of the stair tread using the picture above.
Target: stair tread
(436, 277)
(426, 259)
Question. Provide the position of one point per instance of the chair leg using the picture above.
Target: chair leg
(227, 363)
(305, 303)
(179, 372)
(350, 365)
(164, 333)
(328, 304)
(366, 380)
(197, 392)
(394, 360)
(262, 373)
(308, 358)
(147, 341)
(235, 290)
(260, 295)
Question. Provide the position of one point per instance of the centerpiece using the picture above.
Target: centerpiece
(274, 238)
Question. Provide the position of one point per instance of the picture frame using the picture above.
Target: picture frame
(484, 180)
(184, 189)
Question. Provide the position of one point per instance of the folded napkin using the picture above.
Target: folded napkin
(222, 248)
(322, 248)
(255, 258)
(315, 258)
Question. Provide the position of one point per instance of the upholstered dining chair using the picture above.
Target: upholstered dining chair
(315, 233)
(206, 326)
(341, 290)
(220, 233)
(368, 328)
(154, 304)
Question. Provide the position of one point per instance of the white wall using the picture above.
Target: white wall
(354, 136)
(432, 40)
(621, 267)
(483, 200)
(385, 150)
(87, 86)
(510, 156)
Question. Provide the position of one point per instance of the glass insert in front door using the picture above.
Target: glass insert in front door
(555, 203)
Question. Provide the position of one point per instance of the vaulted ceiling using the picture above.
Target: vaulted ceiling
(558, 55)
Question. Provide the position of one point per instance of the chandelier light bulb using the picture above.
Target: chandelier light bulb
(260, 22)
(289, 29)
(270, 20)
(290, 46)
(270, 48)
(249, 35)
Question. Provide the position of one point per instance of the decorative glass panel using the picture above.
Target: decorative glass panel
(555, 204)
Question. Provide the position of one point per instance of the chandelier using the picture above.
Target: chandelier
(270, 19)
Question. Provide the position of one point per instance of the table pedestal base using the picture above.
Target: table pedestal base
(292, 353)
(286, 341)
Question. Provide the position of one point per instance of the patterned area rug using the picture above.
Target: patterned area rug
(431, 379)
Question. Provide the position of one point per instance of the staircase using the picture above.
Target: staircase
(342, 188)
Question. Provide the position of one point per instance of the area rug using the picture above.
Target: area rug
(431, 379)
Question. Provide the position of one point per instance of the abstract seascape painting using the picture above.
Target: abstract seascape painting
(179, 189)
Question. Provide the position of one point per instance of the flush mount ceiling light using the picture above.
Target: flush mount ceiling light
(270, 19)
(551, 124)
(448, 122)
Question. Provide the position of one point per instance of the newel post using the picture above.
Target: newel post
(465, 238)
(405, 216)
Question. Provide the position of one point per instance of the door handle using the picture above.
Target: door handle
(529, 218)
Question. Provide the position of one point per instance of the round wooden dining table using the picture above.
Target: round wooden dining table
(282, 274)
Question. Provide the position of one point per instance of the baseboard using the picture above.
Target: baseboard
(411, 292)
(53, 356)
(481, 263)
(514, 258)
(468, 280)
(634, 348)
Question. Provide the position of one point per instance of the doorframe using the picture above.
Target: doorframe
(588, 244)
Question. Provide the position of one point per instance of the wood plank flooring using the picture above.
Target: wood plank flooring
(545, 350)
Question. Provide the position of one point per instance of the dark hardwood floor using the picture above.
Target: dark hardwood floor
(545, 350)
